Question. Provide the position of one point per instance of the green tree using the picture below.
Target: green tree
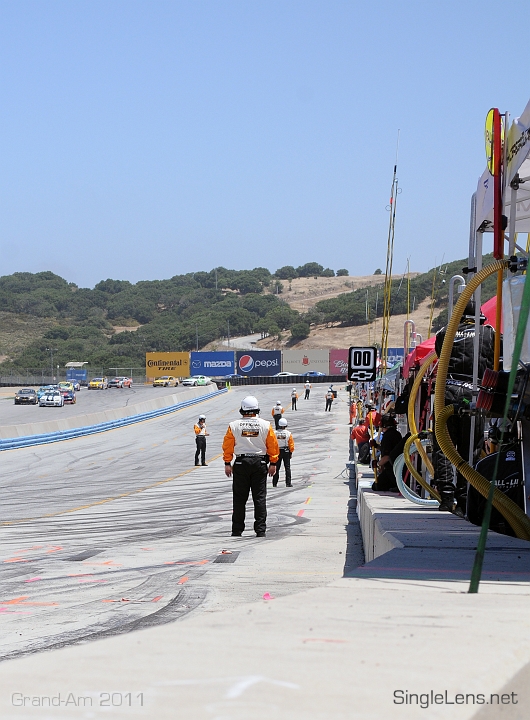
(300, 330)
(342, 272)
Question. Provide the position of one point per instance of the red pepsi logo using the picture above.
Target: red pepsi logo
(246, 363)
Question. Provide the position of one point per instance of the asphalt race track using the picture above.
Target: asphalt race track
(108, 533)
(88, 401)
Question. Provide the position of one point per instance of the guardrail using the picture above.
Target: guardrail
(58, 435)
(287, 379)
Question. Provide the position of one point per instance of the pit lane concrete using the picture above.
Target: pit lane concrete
(105, 534)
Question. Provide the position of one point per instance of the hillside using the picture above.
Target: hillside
(117, 322)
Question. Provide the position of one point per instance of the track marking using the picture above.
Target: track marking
(300, 513)
(99, 502)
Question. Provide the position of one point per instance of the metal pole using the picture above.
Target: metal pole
(450, 302)
(476, 342)
(197, 337)
(228, 326)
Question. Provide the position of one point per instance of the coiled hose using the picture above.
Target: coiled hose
(414, 431)
(511, 512)
(415, 474)
(407, 493)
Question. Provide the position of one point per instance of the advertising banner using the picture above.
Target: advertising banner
(167, 363)
(394, 355)
(338, 362)
(259, 362)
(301, 361)
(213, 364)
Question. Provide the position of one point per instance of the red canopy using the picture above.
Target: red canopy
(418, 354)
(489, 309)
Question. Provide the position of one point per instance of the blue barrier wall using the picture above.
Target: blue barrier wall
(13, 443)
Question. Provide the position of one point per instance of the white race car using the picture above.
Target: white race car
(51, 399)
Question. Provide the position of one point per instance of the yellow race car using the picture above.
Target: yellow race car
(99, 383)
(165, 381)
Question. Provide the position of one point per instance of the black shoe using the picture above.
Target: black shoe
(260, 534)
(288, 485)
(274, 484)
(205, 465)
(236, 534)
(451, 507)
(196, 464)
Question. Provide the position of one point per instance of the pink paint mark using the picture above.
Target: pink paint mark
(15, 559)
(80, 575)
(268, 596)
(300, 513)
(33, 579)
(146, 548)
(157, 598)
(183, 580)
(54, 548)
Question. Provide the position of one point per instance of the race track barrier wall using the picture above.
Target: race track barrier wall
(18, 436)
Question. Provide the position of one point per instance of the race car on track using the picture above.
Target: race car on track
(99, 383)
(68, 396)
(45, 389)
(165, 381)
(197, 380)
(66, 385)
(53, 398)
(76, 385)
(26, 396)
(120, 382)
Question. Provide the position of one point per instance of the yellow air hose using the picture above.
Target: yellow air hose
(408, 462)
(414, 429)
(519, 522)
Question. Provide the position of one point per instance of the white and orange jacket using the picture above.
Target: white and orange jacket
(285, 439)
(200, 429)
(250, 436)
(277, 410)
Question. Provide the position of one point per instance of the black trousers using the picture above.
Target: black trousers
(285, 457)
(277, 419)
(249, 475)
(293, 403)
(200, 441)
(306, 396)
(328, 404)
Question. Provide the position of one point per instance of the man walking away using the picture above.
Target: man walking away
(277, 412)
(200, 440)
(294, 398)
(252, 440)
(307, 388)
(329, 399)
(286, 445)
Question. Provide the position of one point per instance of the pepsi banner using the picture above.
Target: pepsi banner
(259, 362)
(213, 364)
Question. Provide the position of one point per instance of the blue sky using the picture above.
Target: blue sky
(140, 140)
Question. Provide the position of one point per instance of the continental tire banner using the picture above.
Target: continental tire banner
(167, 363)
(301, 361)
(338, 362)
(214, 364)
(259, 362)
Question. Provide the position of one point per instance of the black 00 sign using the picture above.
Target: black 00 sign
(362, 359)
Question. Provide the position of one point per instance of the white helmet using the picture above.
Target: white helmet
(249, 404)
(282, 423)
(202, 417)
(294, 389)
(278, 402)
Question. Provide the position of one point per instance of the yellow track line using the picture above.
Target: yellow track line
(107, 500)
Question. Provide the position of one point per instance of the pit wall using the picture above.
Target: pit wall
(376, 540)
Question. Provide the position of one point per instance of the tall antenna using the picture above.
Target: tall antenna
(387, 298)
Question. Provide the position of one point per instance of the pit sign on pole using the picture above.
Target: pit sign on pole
(362, 364)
